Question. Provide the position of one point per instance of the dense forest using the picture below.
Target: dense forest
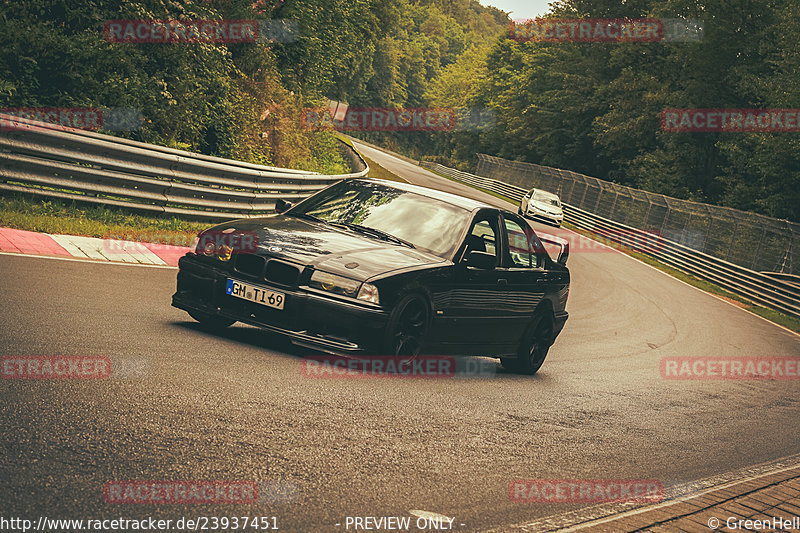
(589, 107)
(595, 107)
(243, 99)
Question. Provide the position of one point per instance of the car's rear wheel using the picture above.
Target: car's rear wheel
(408, 325)
(534, 346)
(212, 322)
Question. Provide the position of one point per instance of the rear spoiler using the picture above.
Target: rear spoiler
(563, 255)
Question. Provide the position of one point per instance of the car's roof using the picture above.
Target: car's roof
(460, 201)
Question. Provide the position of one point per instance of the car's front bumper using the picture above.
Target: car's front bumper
(547, 217)
(307, 319)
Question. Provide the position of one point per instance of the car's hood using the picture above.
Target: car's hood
(328, 248)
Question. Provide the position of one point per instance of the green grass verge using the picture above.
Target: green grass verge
(375, 170)
(30, 213)
(345, 139)
(379, 172)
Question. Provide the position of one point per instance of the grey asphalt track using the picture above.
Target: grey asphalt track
(235, 406)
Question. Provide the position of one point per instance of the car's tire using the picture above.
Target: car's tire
(533, 347)
(407, 326)
(211, 322)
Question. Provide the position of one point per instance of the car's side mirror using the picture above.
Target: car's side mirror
(481, 260)
(563, 254)
(281, 205)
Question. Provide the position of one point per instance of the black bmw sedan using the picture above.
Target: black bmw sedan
(378, 267)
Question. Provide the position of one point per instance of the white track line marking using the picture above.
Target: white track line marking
(67, 244)
(109, 250)
(92, 261)
(137, 251)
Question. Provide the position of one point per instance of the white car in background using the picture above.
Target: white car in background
(542, 205)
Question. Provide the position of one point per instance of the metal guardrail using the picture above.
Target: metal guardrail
(763, 288)
(747, 239)
(60, 162)
(507, 190)
(789, 278)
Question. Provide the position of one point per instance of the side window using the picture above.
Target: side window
(482, 238)
(519, 246)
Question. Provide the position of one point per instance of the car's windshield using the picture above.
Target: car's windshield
(546, 198)
(425, 222)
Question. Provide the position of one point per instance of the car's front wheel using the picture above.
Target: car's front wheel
(408, 325)
(534, 346)
(212, 322)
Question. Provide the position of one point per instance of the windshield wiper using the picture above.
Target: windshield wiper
(307, 216)
(374, 232)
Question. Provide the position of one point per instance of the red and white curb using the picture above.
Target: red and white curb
(143, 253)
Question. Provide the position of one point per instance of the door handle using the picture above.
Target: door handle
(502, 281)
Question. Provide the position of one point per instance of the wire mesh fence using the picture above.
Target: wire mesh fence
(747, 239)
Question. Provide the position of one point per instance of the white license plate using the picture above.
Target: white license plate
(253, 293)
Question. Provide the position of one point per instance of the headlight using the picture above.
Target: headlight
(335, 284)
(369, 293)
(206, 247)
